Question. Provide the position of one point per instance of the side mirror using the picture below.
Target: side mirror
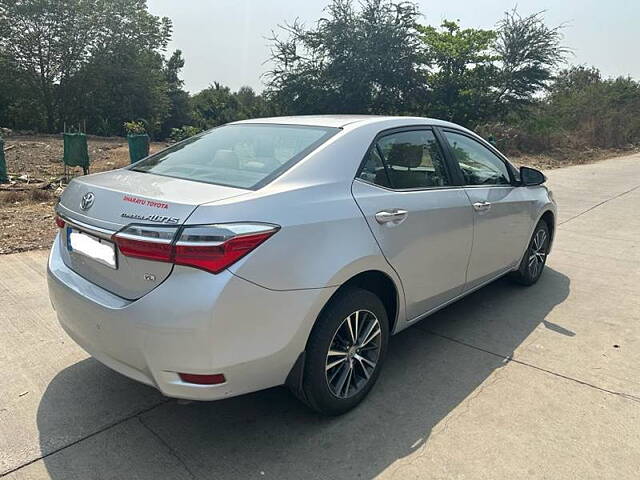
(530, 177)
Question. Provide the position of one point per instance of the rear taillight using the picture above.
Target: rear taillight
(208, 247)
(60, 222)
(146, 241)
(216, 247)
(146, 249)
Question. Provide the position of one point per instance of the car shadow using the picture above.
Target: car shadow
(269, 433)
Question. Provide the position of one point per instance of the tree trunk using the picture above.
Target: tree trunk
(48, 108)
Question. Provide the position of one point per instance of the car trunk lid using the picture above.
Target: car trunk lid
(97, 206)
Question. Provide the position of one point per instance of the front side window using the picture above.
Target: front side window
(402, 160)
(479, 165)
(241, 155)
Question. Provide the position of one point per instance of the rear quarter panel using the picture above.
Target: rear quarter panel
(324, 240)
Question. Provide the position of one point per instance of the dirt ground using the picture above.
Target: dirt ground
(35, 167)
(34, 164)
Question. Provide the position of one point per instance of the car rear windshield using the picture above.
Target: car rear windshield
(240, 155)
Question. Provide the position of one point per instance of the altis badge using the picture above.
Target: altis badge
(152, 218)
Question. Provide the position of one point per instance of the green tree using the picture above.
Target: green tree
(55, 43)
(357, 60)
(49, 40)
(214, 106)
(217, 105)
(252, 105)
(179, 113)
(573, 80)
(461, 72)
(18, 104)
(118, 86)
(529, 52)
(124, 78)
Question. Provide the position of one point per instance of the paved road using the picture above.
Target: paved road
(510, 382)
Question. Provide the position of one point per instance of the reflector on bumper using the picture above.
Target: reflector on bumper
(214, 379)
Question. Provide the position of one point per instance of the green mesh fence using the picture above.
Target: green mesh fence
(4, 178)
(76, 152)
(138, 147)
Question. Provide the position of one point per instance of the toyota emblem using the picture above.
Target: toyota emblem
(87, 201)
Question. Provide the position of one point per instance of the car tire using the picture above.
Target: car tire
(353, 314)
(535, 258)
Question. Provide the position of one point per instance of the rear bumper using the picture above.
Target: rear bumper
(194, 322)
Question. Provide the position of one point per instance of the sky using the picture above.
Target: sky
(226, 41)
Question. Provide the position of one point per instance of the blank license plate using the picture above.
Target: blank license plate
(102, 251)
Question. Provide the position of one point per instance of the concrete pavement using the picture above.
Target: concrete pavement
(510, 382)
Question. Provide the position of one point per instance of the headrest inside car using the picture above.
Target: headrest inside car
(405, 155)
(225, 159)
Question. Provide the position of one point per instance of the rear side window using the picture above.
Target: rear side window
(241, 155)
(410, 159)
(479, 165)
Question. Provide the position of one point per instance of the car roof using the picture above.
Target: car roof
(341, 121)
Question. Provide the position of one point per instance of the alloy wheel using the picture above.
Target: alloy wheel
(353, 354)
(538, 253)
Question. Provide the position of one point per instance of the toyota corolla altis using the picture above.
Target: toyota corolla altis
(287, 251)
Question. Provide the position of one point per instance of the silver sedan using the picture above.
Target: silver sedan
(287, 251)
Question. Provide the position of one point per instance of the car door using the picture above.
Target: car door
(501, 209)
(422, 221)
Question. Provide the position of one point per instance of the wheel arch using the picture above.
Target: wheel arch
(550, 219)
(380, 284)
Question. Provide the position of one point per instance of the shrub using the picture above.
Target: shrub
(582, 112)
(184, 132)
(135, 127)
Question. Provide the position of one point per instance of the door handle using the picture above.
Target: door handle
(482, 206)
(391, 217)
